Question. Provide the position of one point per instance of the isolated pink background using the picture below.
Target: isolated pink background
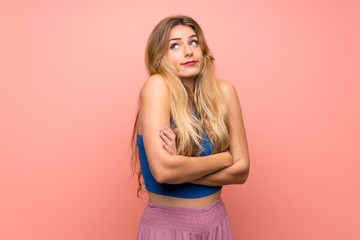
(70, 75)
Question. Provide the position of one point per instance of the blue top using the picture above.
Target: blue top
(183, 190)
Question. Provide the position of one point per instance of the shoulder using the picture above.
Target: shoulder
(228, 90)
(155, 95)
(154, 85)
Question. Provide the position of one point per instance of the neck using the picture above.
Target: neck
(188, 82)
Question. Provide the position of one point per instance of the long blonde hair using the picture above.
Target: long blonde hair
(202, 111)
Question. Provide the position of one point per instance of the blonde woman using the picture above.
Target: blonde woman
(189, 137)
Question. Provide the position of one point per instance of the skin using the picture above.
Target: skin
(238, 172)
(228, 167)
(183, 47)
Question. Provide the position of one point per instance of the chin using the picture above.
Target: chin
(192, 74)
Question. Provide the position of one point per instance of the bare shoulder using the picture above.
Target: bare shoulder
(154, 105)
(228, 90)
(155, 93)
(155, 83)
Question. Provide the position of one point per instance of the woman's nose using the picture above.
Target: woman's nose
(188, 51)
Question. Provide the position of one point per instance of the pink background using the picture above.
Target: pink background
(70, 75)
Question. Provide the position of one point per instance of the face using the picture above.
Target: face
(184, 53)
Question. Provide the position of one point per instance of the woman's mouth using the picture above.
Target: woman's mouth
(190, 63)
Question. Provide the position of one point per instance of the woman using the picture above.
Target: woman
(190, 136)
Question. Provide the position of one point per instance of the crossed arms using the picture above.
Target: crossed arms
(229, 167)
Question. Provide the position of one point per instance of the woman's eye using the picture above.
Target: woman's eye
(174, 46)
(194, 42)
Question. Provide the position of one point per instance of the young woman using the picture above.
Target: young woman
(190, 137)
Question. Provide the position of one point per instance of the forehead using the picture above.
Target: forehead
(181, 31)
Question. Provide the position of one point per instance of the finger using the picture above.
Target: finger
(167, 148)
(168, 142)
(166, 138)
(169, 133)
(163, 135)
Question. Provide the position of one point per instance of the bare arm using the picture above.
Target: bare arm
(238, 172)
(154, 113)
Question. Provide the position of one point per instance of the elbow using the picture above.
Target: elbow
(243, 177)
(168, 171)
(243, 173)
(162, 179)
(159, 168)
(160, 175)
(167, 176)
(164, 174)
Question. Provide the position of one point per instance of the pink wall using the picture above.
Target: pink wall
(70, 76)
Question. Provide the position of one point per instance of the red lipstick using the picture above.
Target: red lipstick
(190, 63)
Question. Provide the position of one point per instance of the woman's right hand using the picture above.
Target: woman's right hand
(169, 138)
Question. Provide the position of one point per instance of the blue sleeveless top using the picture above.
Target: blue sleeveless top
(183, 190)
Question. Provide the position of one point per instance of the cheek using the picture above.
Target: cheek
(172, 59)
(200, 55)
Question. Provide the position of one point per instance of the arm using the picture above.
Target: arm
(154, 113)
(238, 172)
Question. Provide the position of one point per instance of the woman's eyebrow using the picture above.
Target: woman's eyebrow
(174, 39)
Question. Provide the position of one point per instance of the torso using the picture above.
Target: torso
(183, 202)
(180, 202)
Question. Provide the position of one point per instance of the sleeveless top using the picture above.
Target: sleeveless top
(183, 190)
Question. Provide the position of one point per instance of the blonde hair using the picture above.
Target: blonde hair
(202, 111)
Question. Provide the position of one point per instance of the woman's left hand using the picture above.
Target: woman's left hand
(169, 138)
